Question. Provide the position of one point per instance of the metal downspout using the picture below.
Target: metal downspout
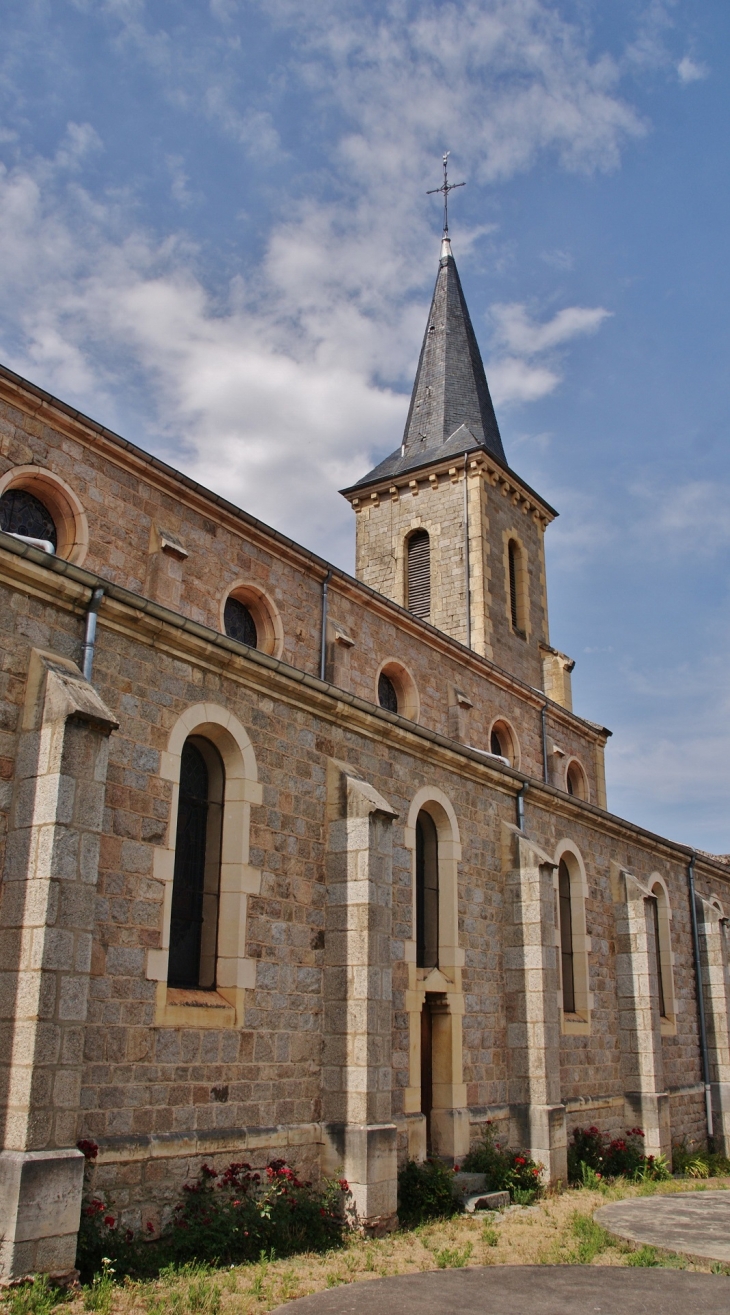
(466, 554)
(325, 610)
(700, 998)
(87, 652)
(520, 801)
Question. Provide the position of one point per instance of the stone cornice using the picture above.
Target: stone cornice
(148, 622)
(450, 470)
(80, 428)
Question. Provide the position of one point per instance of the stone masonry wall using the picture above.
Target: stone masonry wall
(192, 1089)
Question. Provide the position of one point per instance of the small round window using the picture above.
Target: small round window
(396, 690)
(23, 514)
(250, 616)
(239, 622)
(387, 693)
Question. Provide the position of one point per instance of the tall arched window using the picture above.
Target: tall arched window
(196, 878)
(661, 917)
(516, 600)
(566, 938)
(419, 574)
(427, 892)
(657, 895)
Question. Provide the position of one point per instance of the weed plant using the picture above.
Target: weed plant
(425, 1191)
(506, 1170)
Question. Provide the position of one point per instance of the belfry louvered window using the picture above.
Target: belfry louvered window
(514, 556)
(419, 574)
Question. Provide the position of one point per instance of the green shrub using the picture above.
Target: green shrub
(506, 1171)
(35, 1298)
(593, 1152)
(698, 1163)
(229, 1217)
(425, 1191)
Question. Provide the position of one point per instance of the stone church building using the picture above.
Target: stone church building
(303, 865)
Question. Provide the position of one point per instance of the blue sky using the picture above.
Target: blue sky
(214, 237)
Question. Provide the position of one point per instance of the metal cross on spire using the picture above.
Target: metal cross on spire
(445, 188)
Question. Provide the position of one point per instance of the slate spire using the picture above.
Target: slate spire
(451, 411)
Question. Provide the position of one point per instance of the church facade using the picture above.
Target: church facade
(309, 866)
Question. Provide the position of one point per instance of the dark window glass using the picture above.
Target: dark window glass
(514, 599)
(419, 574)
(658, 957)
(22, 513)
(427, 893)
(569, 782)
(387, 697)
(194, 914)
(495, 744)
(239, 623)
(566, 938)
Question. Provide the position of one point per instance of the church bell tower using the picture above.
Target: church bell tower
(444, 526)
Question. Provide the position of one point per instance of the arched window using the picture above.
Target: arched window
(503, 742)
(419, 574)
(660, 915)
(575, 780)
(566, 938)
(427, 892)
(516, 601)
(573, 941)
(387, 693)
(23, 514)
(239, 622)
(658, 957)
(196, 878)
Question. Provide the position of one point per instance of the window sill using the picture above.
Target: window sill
(575, 1025)
(178, 1007)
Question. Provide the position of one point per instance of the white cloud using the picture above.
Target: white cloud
(286, 387)
(691, 70)
(691, 519)
(80, 140)
(514, 375)
(519, 333)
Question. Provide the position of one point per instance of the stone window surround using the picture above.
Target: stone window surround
(263, 609)
(575, 763)
(72, 527)
(409, 703)
(579, 1023)
(234, 972)
(658, 888)
(503, 722)
(450, 1116)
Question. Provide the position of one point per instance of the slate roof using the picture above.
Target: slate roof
(451, 411)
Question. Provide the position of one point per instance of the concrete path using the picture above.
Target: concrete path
(535, 1289)
(695, 1223)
